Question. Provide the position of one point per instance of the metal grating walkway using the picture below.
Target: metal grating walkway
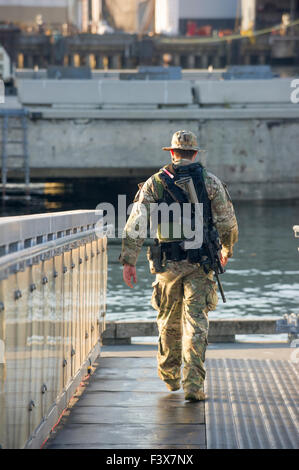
(252, 404)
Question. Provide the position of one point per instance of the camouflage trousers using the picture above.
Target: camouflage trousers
(183, 296)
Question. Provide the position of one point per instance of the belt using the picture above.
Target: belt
(173, 251)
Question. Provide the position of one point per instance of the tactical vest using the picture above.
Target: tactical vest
(169, 193)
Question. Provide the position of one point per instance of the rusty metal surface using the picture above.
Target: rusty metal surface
(252, 404)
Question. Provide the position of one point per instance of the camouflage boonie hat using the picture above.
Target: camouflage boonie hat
(184, 140)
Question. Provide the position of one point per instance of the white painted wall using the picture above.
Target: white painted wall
(34, 3)
(70, 10)
(248, 14)
(167, 17)
(207, 9)
(4, 65)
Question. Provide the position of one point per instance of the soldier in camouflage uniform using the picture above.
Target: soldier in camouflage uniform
(183, 293)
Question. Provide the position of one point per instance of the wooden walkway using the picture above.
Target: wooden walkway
(124, 404)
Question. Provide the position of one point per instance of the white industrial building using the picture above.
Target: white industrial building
(80, 13)
(143, 16)
(5, 66)
(171, 15)
(25, 11)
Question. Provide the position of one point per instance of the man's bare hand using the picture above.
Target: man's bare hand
(223, 260)
(129, 272)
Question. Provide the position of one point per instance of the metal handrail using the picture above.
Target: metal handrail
(53, 281)
(37, 250)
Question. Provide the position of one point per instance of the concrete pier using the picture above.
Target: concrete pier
(246, 128)
(220, 331)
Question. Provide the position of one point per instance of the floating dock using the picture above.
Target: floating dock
(252, 402)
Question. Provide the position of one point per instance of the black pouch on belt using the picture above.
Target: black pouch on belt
(193, 256)
(154, 255)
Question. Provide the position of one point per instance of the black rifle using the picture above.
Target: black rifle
(211, 241)
(210, 237)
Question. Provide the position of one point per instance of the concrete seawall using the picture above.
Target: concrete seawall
(248, 130)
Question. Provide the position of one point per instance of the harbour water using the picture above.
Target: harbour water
(261, 280)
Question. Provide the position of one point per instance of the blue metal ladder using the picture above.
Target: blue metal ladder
(20, 116)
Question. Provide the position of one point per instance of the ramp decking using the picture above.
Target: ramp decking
(252, 403)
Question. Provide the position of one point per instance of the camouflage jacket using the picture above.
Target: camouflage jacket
(222, 211)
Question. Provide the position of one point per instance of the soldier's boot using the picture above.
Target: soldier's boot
(194, 395)
(173, 385)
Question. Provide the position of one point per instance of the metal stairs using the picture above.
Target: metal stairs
(19, 118)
